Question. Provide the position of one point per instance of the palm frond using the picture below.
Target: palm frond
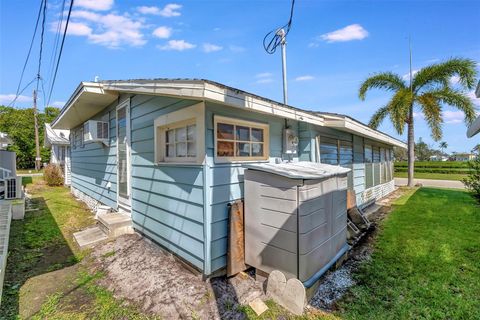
(441, 73)
(399, 108)
(432, 110)
(378, 117)
(456, 99)
(385, 80)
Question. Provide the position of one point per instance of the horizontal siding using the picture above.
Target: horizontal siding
(93, 166)
(226, 179)
(167, 200)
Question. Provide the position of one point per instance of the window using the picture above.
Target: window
(180, 136)
(238, 140)
(81, 138)
(328, 150)
(181, 142)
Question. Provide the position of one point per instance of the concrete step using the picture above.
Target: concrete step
(90, 237)
(115, 224)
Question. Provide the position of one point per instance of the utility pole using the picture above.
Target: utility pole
(283, 42)
(37, 143)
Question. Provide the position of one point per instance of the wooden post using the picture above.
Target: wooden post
(37, 143)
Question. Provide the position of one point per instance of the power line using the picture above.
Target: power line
(56, 43)
(20, 93)
(28, 55)
(60, 53)
(41, 42)
(277, 38)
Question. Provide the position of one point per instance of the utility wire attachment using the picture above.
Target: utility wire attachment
(275, 36)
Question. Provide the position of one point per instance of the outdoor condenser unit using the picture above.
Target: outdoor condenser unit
(95, 131)
(13, 188)
(295, 218)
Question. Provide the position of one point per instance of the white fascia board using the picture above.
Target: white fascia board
(355, 127)
(201, 90)
(91, 87)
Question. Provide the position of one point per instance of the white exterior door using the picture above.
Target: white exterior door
(123, 156)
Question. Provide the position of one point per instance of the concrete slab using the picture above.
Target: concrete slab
(451, 184)
(258, 306)
(90, 237)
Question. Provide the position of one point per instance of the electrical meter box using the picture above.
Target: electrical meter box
(290, 141)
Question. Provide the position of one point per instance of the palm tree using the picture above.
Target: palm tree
(430, 89)
(443, 145)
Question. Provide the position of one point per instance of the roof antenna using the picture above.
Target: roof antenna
(279, 38)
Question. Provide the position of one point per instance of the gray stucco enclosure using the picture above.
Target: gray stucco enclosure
(172, 153)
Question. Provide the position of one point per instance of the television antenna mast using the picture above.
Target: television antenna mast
(279, 38)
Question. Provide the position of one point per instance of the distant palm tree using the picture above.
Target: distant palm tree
(476, 149)
(443, 145)
(429, 90)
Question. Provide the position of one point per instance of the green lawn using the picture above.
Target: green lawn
(434, 176)
(426, 262)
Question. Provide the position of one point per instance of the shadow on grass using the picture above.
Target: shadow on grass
(27, 180)
(36, 247)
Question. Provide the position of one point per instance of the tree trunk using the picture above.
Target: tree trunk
(411, 149)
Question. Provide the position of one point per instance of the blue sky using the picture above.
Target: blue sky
(332, 47)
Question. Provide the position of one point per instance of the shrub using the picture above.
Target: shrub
(53, 175)
(472, 181)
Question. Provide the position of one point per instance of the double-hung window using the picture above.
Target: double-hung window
(239, 140)
(181, 141)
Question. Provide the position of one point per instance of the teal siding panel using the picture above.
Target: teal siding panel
(167, 199)
(94, 165)
(226, 179)
(177, 248)
(181, 192)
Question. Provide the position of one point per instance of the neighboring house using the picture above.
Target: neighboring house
(58, 142)
(5, 141)
(171, 153)
(475, 126)
(438, 158)
(464, 156)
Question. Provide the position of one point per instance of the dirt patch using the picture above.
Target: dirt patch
(141, 272)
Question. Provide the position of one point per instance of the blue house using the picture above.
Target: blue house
(171, 154)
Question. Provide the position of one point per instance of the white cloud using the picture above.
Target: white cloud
(236, 49)
(406, 76)
(162, 32)
(8, 98)
(263, 75)
(418, 115)
(453, 117)
(110, 30)
(209, 47)
(454, 80)
(475, 100)
(216, 29)
(178, 45)
(170, 10)
(349, 33)
(77, 29)
(304, 78)
(100, 5)
(264, 80)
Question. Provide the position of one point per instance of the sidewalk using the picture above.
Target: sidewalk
(452, 184)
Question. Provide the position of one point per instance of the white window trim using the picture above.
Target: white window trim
(251, 124)
(190, 115)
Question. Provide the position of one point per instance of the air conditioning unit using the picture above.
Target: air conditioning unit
(95, 131)
(13, 188)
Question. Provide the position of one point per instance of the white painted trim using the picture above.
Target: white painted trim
(124, 104)
(193, 114)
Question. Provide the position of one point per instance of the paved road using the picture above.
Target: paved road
(432, 183)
